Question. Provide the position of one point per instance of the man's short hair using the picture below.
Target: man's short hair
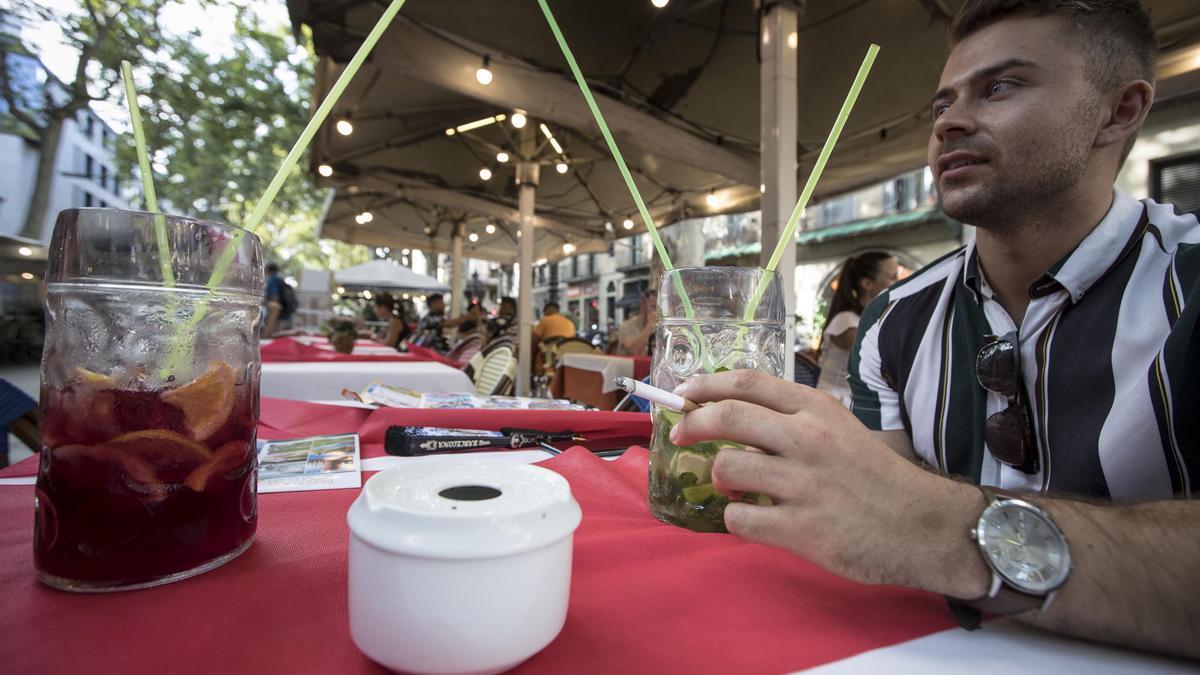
(272, 268)
(550, 305)
(436, 297)
(1115, 36)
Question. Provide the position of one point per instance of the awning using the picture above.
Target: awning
(896, 221)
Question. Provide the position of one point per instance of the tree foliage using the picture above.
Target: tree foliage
(219, 125)
(102, 33)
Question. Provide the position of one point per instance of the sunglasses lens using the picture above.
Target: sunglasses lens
(996, 368)
(1007, 437)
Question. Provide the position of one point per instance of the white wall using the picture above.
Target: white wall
(18, 164)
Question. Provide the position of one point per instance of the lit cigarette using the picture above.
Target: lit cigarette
(655, 395)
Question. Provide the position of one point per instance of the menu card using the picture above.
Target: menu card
(315, 463)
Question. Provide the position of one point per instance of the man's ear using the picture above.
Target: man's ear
(1127, 109)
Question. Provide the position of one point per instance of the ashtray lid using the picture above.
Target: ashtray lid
(464, 509)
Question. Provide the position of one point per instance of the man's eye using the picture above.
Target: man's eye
(998, 86)
(939, 109)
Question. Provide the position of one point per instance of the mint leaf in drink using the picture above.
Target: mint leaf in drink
(688, 478)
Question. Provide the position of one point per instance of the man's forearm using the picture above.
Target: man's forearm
(1135, 575)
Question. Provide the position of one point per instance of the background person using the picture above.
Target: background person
(281, 302)
(397, 330)
(633, 337)
(863, 277)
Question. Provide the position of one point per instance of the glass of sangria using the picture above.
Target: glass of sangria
(149, 400)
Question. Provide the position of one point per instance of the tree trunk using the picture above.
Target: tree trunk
(40, 200)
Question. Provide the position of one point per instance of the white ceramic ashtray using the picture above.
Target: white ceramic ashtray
(460, 567)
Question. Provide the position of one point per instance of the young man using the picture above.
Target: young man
(279, 296)
(553, 324)
(1057, 356)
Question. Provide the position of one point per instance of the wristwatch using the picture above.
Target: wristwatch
(1027, 554)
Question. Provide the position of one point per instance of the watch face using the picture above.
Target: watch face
(1025, 546)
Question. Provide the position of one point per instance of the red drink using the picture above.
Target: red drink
(140, 486)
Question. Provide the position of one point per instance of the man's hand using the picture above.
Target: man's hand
(842, 498)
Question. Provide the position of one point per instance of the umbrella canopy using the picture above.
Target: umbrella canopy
(680, 89)
(388, 275)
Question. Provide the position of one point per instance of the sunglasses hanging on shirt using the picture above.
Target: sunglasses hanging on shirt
(1008, 433)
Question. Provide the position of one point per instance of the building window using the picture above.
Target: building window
(1176, 180)
(88, 200)
(104, 176)
(88, 165)
(89, 124)
(574, 266)
(591, 263)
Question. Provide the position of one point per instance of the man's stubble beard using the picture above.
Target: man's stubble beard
(1008, 201)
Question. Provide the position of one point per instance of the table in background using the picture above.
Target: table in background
(645, 597)
(307, 381)
(588, 378)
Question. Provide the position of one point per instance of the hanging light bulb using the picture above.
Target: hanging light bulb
(502, 157)
(341, 289)
(627, 224)
(474, 237)
(561, 167)
(344, 127)
(711, 200)
(428, 230)
(405, 251)
(518, 234)
(659, 3)
(518, 119)
(25, 251)
(762, 188)
(568, 248)
(485, 174)
(484, 74)
(325, 170)
(490, 228)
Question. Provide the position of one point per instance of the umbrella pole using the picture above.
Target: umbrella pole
(527, 178)
(779, 121)
(456, 272)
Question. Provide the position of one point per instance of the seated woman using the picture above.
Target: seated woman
(397, 330)
(863, 277)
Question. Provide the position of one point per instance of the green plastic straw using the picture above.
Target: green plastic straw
(811, 184)
(616, 153)
(139, 139)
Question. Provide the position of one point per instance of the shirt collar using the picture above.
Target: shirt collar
(1087, 263)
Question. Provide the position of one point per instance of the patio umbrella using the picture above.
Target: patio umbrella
(388, 275)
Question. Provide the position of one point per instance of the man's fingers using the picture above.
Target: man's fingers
(737, 471)
(735, 421)
(758, 524)
(753, 386)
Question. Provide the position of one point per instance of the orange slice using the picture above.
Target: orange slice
(227, 458)
(96, 380)
(173, 456)
(206, 402)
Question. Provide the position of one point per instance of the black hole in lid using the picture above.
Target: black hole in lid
(470, 493)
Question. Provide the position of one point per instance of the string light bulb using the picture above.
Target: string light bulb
(711, 200)
(561, 167)
(484, 74)
(325, 170)
(490, 228)
(344, 127)
(502, 157)
(568, 248)
(518, 119)
(25, 251)
(474, 237)
(627, 224)
(659, 3)
(485, 174)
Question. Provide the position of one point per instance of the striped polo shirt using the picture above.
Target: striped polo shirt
(1110, 360)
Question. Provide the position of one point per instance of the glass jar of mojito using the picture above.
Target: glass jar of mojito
(710, 319)
(149, 400)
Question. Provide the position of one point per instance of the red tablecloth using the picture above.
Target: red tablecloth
(641, 366)
(645, 597)
(286, 350)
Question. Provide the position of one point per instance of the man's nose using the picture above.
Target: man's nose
(956, 120)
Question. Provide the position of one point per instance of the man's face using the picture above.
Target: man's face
(436, 305)
(1015, 119)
